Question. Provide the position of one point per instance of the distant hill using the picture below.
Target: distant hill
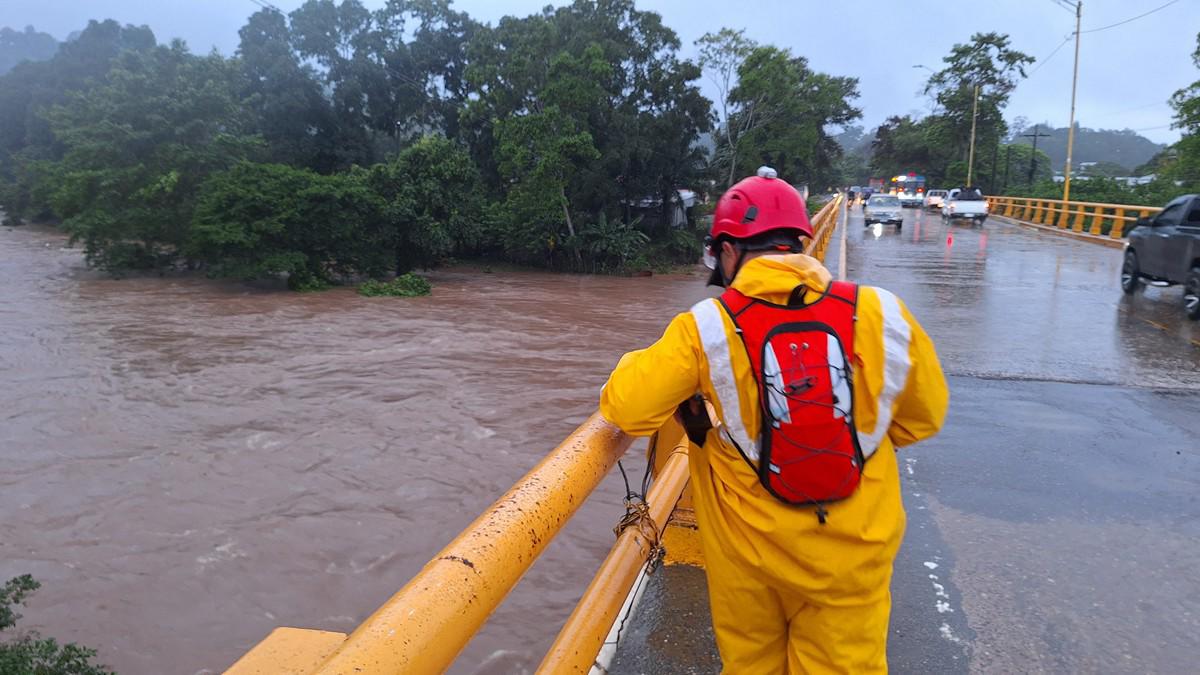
(1123, 147)
(27, 45)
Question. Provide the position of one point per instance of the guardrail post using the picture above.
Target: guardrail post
(1097, 219)
(1077, 218)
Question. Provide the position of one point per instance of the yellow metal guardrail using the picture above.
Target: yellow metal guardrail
(824, 224)
(427, 623)
(1099, 219)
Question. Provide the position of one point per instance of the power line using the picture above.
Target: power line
(1126, 110)
(1046, 60)
(1134, 18)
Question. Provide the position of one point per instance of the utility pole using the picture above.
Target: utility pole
(1033, 156)
(1071, 126)
(992, 178)
(971, 155)
(1007, 165)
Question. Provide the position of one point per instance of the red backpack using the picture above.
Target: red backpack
(801, 355)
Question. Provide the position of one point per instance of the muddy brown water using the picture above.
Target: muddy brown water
(187, 464)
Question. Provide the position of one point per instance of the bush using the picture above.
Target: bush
(815, 203)
(31, 654)
(431, 200)
(404, 286)
(262, 220)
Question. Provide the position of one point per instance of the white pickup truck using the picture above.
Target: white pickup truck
(965, 203)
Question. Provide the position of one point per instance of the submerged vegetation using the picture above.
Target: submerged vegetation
(27, 652)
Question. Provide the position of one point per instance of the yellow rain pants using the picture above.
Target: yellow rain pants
(788, 594)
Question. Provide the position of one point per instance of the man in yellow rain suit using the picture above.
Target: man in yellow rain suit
(788, 592)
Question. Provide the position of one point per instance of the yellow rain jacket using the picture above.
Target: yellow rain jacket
(788, 594)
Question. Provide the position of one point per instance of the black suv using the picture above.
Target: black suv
(1165, 250)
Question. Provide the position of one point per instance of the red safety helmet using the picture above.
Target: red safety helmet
(754, 206)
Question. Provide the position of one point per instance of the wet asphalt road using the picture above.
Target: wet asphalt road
(1054, 525)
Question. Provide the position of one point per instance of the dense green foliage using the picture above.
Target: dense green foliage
(259, 220)
(25, 45)
(1186, 102)
(405, 286)
(1105, 190)
(27, 653)
(138, 148)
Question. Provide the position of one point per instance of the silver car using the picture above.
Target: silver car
(884, 209)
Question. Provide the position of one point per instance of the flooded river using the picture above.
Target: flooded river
(188, 464)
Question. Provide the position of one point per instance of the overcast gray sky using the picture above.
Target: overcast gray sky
(1126, 72)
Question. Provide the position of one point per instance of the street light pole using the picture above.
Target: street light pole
(971, 154)
(1071, 126)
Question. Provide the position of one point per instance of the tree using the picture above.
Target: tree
(1186, 103)
(26, 45)
(432, 202)
(138, 148)
(903, 144)
(289, 110)
(987, 62)
(536, 155)
(1015, 162)
(596, 73)
(722, 55)
(784, 110)
(383, 83)
(853, 138)
(30, 89)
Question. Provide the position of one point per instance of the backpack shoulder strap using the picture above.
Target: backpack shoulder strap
(735, 302)
(845, 291)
